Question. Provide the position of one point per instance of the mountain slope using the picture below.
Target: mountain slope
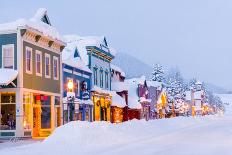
(132, 66)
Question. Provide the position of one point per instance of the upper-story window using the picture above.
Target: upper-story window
(101, 78)
(38, 63)
(55, 68)
(8, 56)
(28, 54)
(106, 79)
(47, 66)
(95, 76)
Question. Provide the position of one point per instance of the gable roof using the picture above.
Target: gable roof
(36, 24)
(41, 15)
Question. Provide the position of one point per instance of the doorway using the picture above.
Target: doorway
(36, 120)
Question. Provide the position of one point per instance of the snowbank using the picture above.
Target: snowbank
(178, 136)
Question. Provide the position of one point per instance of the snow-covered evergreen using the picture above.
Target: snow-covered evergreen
(158, 73)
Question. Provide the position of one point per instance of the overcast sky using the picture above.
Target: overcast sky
(195, 36)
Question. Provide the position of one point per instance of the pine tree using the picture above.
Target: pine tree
(158, 73)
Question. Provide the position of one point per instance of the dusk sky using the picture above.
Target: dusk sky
(195, 36)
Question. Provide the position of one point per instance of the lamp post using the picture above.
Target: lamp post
(70, 99)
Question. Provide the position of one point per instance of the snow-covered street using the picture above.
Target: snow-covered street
(178, 136)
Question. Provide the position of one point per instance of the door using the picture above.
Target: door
(36, 120)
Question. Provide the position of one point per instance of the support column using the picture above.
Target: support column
(19, 113)
(53, 113)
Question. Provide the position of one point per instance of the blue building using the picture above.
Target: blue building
(97, 55)
(76, 72)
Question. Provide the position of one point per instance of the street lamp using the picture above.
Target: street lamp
(70, 99)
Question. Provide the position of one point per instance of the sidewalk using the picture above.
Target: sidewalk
(7, 143)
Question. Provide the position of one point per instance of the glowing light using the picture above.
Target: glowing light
(70, 84)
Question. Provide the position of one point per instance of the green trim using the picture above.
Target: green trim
(100, 50)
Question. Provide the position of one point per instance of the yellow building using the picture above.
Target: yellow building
(102, 103)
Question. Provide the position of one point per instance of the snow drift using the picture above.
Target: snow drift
(178, 136)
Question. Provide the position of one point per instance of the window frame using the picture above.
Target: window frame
(101, 78)
(106, 79)
(49, 69)
(7, 46)
(57, 69)
(31, 67)
(41, 62)
(95, 78)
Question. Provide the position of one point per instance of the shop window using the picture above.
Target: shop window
(8, 112)
(58, 111)
(46, 112)
(27, 111)
(28, 55)
(8, 56)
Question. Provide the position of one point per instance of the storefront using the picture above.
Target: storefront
(82, 110)
(102, 103)
(36, 116)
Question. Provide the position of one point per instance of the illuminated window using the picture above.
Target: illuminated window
(27, 113)
(8, 56)
(8, 111)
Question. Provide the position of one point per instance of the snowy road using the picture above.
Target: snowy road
(178, 136)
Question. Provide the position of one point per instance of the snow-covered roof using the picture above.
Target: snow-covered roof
(118, 69)
(76, 100)
(156, 84)
(118, 101)
(77, 62)
(143, 99)
(198, 83)
(137, 81)
(75, 41)
(133, 99)
(7, 76)
(34, 23)
(119, 86)
(100, 90)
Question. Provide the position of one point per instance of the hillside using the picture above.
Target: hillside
(132, 66)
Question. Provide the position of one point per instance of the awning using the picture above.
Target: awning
(7, 76)
(65, 100)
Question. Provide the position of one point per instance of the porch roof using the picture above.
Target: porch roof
(7, 76)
